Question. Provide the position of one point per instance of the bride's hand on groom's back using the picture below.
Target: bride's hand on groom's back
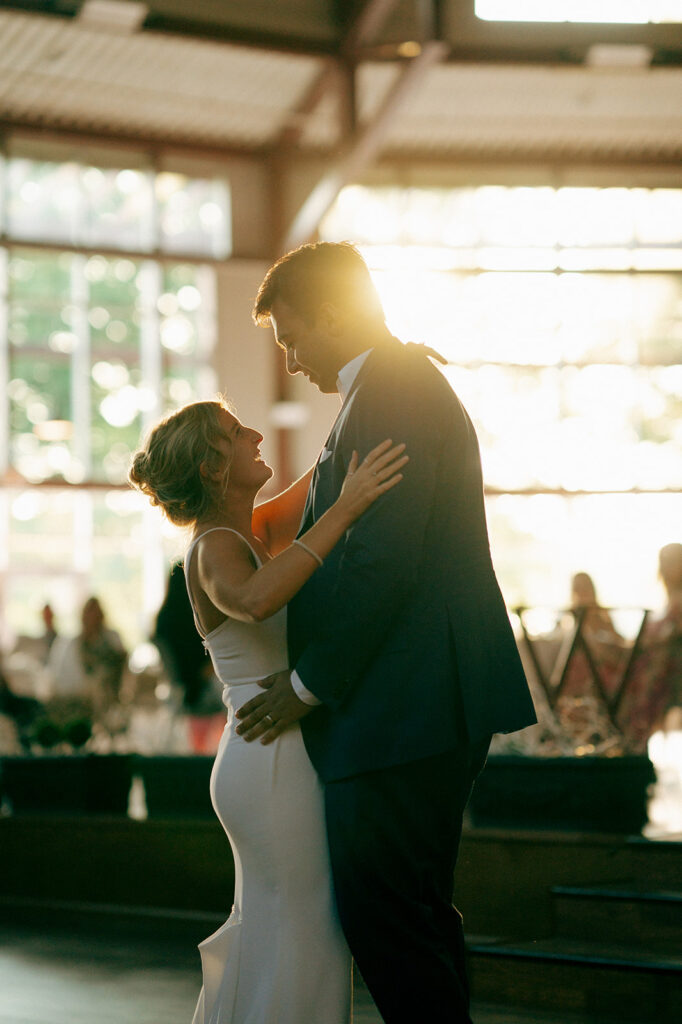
(270, 713)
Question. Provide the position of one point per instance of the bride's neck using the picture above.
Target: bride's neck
(235, 511)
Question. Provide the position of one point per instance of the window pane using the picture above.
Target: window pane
(66, 545)
(41, 446)
(595, 216)
(517, 417)
(539, 542)
(41, 531)
(46, 328)
(40, 277)
(43, 336)
(113, 284)
(658, 216)
(118, 561)
(475, 318)
(117, 397)
(90, 342)
(597, 315)
(609, 417)
(658, 318)
(43, 201)
(193, 215)
(589, 223)
(97, 346)
(118, 208)
(516, 216)
(660, 427)
(181, 305)
(182, 383)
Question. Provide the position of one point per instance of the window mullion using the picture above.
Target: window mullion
(150, 344)
(80, 369)
(151, 365)
(4, 362)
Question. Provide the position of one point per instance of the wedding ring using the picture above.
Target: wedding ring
(269, 719)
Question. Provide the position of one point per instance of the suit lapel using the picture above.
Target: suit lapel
(330, 443)
(346, 404)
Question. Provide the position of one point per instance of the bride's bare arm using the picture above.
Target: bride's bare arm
(237, 589)
(277, 520)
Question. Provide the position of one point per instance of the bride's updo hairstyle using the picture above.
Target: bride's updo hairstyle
(168, 468)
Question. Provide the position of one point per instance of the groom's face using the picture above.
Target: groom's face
(310, 347)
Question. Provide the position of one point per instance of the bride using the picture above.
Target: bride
(281, 956)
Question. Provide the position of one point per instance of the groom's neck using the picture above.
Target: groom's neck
(359, 337)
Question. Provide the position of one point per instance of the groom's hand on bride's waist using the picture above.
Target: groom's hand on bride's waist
(269, 714)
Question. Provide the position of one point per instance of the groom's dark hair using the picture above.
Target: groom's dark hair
(332, 272)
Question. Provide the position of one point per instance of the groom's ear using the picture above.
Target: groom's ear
(329, 318)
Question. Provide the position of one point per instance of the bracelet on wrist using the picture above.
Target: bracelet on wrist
(310, 551)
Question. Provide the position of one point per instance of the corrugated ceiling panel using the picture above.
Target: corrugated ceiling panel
(486, 107)
(55, 70)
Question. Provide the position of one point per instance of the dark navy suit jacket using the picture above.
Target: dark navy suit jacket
(403, 631)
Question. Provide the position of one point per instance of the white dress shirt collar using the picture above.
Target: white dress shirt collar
(348, 373)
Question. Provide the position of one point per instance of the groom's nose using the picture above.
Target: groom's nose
(292, 365)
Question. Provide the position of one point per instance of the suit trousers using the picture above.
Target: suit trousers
(394, 837)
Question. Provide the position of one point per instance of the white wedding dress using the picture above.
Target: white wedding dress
(281, 957)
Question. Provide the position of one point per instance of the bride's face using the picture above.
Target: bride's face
(242, 450)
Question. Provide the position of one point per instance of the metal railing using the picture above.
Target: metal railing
(594, 690)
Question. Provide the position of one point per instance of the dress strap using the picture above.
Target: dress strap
(190, 552)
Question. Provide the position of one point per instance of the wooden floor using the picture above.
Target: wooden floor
(111, 974)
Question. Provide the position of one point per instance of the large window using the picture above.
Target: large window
(106, 321)
(603, 11)
(560, 312)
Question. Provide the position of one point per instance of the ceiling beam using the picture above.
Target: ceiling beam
(294, 126)
(366, 25)
(564, 156)
(156, 144)
(362, 148)
(334, 75)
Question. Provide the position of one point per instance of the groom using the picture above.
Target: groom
(403, 660)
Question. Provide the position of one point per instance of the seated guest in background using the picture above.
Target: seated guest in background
(604, 643)
(50, 634)
(597, 622)
(37, 648)
(188, 667)
(9, 735)
(18, 714)
(588, 671)
(87, 669)
(670, 572)
(655, 685)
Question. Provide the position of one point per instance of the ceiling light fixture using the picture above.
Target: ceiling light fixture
(120, 16)
(608, 55)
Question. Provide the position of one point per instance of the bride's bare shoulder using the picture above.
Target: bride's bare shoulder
(223, 548)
